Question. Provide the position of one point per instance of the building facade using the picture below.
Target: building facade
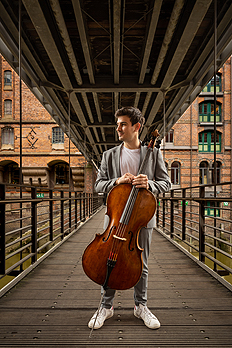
(45, 147)
(189, 145)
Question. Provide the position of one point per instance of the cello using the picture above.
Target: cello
(114, 258)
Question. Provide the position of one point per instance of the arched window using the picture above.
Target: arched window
(7, 138)
(175, 173)
(7, 107)
(204, 173)
(218, 172)
(7, 79)
(206, 141)
(206, 112)
(57, 135)
(61, 173)
(210, 85)
(11, 173)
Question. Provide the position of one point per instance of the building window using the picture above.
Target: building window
(204, 173)
(206, 142)
(7, 79)
(210, 207)
(61, 174)
(169, 136)
(7, 138)
(218, 172)
(210, 85)
(206, 112)
(7, 107)
(175, 173)
(13, 174)
(57, 135)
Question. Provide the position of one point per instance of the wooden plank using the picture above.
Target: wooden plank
(53, 304)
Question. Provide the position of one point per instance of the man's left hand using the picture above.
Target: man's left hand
(141, 181)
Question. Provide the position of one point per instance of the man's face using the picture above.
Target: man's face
(127, 132)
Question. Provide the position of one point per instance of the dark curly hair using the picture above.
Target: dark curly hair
(134, 114)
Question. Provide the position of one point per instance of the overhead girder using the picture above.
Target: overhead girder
(100, 58)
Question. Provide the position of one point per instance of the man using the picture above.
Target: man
(120, 165)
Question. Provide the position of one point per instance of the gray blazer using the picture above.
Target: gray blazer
(156, 172)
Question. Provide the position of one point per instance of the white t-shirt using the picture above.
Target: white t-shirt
(129, 161)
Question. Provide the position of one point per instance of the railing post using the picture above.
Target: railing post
(70, 211)
(51, 215)
(157, 212)
(164, 204)
(172, 215)
(183, 214)
(202, 225)
(62, 215)
(75, 204)
(80, 207)
(2, 230)
(84, 203)
(34, 223)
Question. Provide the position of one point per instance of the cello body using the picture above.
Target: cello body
(129, 264)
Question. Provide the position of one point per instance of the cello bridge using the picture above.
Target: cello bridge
(120, 238)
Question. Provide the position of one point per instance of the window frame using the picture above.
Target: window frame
(208, 145)
(57, 136)
(204, 173)
(170, 137)
(6, 111)
(206, 112)
(175, 173)
(209, 88)
(7, 85)
(10, 135)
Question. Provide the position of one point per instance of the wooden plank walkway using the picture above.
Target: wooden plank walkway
(52, 305)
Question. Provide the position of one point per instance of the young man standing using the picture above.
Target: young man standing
(120, 165)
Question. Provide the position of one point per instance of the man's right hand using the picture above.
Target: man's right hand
(125, 179)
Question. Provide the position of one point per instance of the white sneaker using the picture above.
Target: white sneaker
(150, 320)
(103, 314)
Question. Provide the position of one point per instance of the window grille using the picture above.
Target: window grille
(7, 78)
(8, 107)
(57, 135)
(7, 136)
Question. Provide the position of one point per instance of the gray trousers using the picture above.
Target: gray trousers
(140, 289)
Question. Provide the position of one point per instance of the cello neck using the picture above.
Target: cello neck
(134, 191)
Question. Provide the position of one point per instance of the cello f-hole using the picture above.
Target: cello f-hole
(129, 246)
(112, 228)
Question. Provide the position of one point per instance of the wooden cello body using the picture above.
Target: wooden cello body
(120, 239)
(114, 259)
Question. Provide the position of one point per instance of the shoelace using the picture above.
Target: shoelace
(148, 313)
(101, 313)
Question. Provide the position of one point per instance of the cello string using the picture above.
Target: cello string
(120, 232)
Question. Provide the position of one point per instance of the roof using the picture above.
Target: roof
(102, 55)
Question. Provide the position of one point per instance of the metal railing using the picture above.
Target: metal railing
(33, 221)
(199, 220)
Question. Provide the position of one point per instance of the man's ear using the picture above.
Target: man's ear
(137, 126)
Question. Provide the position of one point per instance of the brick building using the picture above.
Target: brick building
(189, 145)
(45, 148)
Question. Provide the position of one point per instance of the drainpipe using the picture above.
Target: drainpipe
(215, 131)
(230, 138)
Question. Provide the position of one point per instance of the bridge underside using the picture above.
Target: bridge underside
(104, 55)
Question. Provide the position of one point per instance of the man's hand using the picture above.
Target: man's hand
(141, 181)
(125, 179)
